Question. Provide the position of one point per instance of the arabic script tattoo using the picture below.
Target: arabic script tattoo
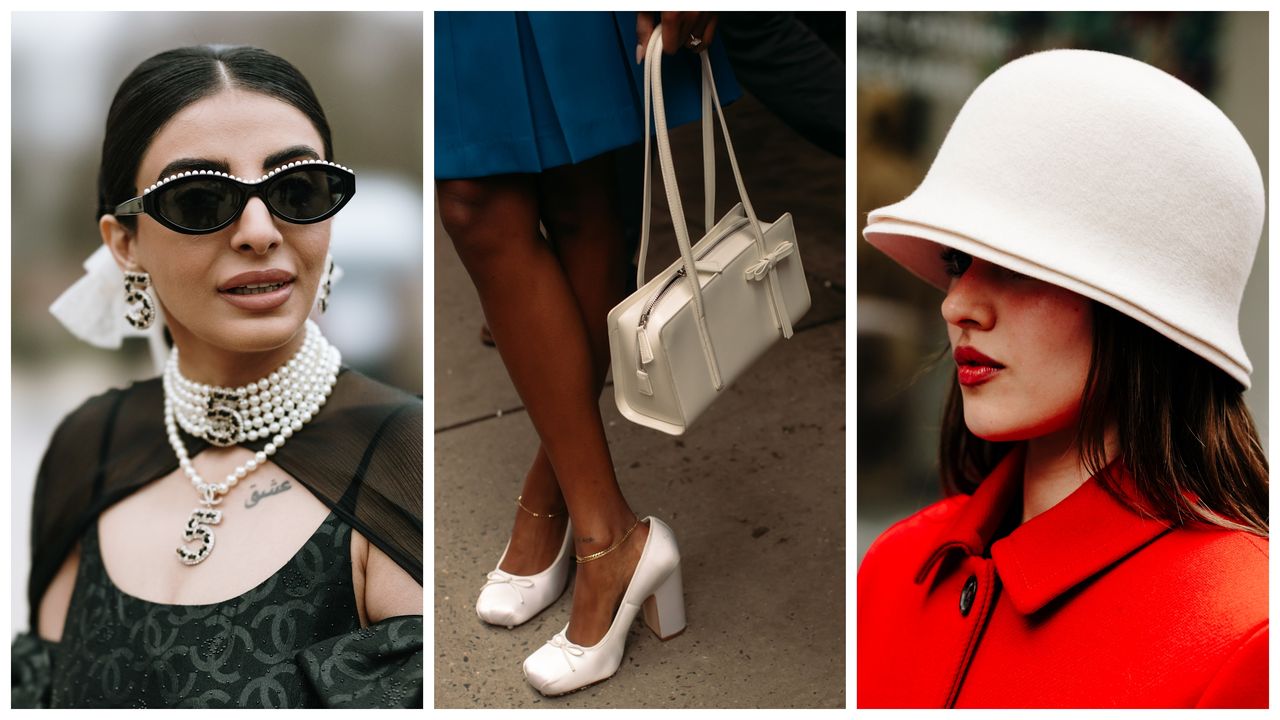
(258, 496)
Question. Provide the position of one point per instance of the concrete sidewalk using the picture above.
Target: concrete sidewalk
(755, 492)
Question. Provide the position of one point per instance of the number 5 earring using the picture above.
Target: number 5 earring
(326, 281)
(135, 293)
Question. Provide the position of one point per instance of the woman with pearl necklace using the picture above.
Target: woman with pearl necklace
(246, 529)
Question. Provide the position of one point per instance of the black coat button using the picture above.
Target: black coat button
(967, 595)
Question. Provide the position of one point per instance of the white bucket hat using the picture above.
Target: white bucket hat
(1102, 175)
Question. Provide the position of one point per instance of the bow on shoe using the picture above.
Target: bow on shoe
(497, 577)
(568, 649)
(761, 268)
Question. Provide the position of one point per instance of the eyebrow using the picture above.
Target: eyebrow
(271, 162)
(185, 164)
(276, 159)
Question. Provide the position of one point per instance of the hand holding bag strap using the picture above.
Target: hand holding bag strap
(653, 86)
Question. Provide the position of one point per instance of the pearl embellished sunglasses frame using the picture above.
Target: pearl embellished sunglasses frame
(198, 202)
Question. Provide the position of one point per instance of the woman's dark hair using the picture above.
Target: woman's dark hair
(166, 83)
(1184, 433)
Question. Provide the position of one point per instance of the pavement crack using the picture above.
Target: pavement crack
(472, 421)
(520, 408)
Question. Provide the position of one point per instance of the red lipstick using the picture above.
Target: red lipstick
(974, 368)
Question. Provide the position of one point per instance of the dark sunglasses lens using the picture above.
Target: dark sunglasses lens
(199, 204)
(307, 194)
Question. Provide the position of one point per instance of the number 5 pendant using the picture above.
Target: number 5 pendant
(198, 529)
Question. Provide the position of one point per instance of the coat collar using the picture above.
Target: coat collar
(1046, 556)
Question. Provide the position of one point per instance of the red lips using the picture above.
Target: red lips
(974, 368)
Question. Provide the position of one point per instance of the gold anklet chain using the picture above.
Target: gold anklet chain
(611, 548)
(537, 515)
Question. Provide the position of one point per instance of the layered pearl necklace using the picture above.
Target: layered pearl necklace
(274, 407)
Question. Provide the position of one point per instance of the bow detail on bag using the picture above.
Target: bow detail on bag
(497, 577)
(760, 269)
(568, 649)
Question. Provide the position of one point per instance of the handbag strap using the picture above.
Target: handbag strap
(708, 165)
(653, 89)
(711, 99)
(782, 319)
(708, 155)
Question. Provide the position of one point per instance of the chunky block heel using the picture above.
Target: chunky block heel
(664, 609)
(656, 588)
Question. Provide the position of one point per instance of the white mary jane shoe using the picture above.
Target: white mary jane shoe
(510, 600)
(560, 666)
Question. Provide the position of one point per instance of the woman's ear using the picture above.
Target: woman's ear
(119, 240)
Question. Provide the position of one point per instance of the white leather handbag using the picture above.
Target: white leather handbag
(676, 344)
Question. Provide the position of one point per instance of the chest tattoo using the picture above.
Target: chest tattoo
(258, 496)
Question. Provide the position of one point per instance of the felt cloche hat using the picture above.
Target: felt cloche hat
(1102, 175)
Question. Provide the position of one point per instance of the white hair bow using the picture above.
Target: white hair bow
(93, 309)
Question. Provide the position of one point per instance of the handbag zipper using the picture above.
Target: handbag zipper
(648, 307)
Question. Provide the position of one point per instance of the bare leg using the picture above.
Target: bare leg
(579, 207)
(538, 327)
(535, 541)
(493, 223)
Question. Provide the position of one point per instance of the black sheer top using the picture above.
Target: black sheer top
(361, 456)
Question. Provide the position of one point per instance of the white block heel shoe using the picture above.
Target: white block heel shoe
(511, 600)
(664, 609)
(561, 667)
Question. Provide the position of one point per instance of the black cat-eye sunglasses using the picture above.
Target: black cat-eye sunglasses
(204, 201)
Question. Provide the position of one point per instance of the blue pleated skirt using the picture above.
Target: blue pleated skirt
(520, 92)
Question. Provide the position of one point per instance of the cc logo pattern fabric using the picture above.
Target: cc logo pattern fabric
(293, 641)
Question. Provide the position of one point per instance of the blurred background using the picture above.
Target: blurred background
(915, 70)
(366, 68)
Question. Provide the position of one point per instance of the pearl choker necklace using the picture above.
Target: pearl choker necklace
(274, 407)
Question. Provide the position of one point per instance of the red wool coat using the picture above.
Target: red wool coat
(1085, 605)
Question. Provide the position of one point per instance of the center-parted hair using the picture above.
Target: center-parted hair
(164, 84)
